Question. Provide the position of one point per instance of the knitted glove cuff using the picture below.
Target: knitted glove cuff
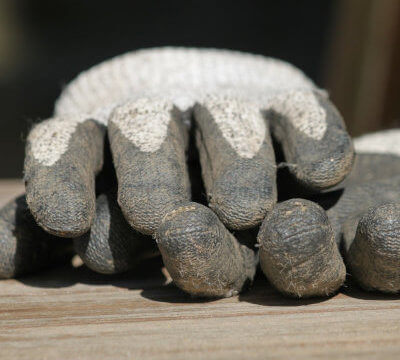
(180, 75)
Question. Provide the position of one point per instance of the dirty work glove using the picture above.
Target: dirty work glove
(142, 98)
(111, 246)
(300, 241)
(24, 246)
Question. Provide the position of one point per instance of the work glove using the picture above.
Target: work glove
(300, 241)
(145, 101)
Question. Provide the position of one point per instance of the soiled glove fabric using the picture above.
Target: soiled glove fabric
(300, 242)
(144, 101)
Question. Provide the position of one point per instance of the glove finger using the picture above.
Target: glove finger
(237, 160)
(201, 255)
(24, 246)
(365, 219)
(317, 148)
(298, 253)
(373, 250)
(148, 141)
(63, 155)
(355, 200)
(112, 246)
(377, 157)
(371, 238)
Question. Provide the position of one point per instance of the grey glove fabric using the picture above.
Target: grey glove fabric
(141, 96)
(298, 251)
(24, 246)
(144, 102)
(297, 239)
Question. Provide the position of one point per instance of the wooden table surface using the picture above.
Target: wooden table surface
(71, 313)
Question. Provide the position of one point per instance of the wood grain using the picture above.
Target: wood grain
(71, 313)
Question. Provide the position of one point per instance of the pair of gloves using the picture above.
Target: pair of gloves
(161, 112)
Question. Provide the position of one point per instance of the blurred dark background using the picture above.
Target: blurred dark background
(350, 47)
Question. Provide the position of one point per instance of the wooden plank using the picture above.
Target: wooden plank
(72, 313)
